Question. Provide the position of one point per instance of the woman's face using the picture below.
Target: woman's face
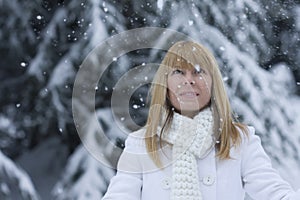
(189, 90)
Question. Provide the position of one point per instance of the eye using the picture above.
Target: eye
(177, 71)
(199, 70)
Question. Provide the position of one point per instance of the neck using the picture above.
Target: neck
(190, 114)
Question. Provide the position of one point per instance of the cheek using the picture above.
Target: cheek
(173, 84)
(174, 101)
(171, 90)
(205, 83)
(172, 94)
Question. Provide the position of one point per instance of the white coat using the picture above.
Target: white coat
(249, 170)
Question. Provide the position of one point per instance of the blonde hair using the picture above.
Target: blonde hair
(226, 129)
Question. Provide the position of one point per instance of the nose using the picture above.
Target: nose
(189, 82)
(189, 79)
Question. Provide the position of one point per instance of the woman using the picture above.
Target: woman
(191, 147)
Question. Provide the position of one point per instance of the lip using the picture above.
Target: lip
(189, 94)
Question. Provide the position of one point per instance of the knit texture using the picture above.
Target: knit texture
(191, 139)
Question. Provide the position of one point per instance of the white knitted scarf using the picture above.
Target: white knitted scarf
(191, 139)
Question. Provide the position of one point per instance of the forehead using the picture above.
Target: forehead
(188, 62)
(186, 55)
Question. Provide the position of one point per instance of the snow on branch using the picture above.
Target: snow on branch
(14, 182)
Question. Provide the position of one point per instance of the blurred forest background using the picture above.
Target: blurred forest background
(44, 42)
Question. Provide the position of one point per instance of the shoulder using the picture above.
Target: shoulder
(249, 134)
(134, 150)
(251, 142)
(136, 141)
(248, 138)
(246, 132)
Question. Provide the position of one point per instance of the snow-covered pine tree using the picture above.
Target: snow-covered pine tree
(234, 31)
(43, 49)
(14, 182)
(44, 42)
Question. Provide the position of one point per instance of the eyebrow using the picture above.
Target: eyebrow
(177, 67)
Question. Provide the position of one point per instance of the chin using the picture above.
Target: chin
(190, 107)
(189, 110)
